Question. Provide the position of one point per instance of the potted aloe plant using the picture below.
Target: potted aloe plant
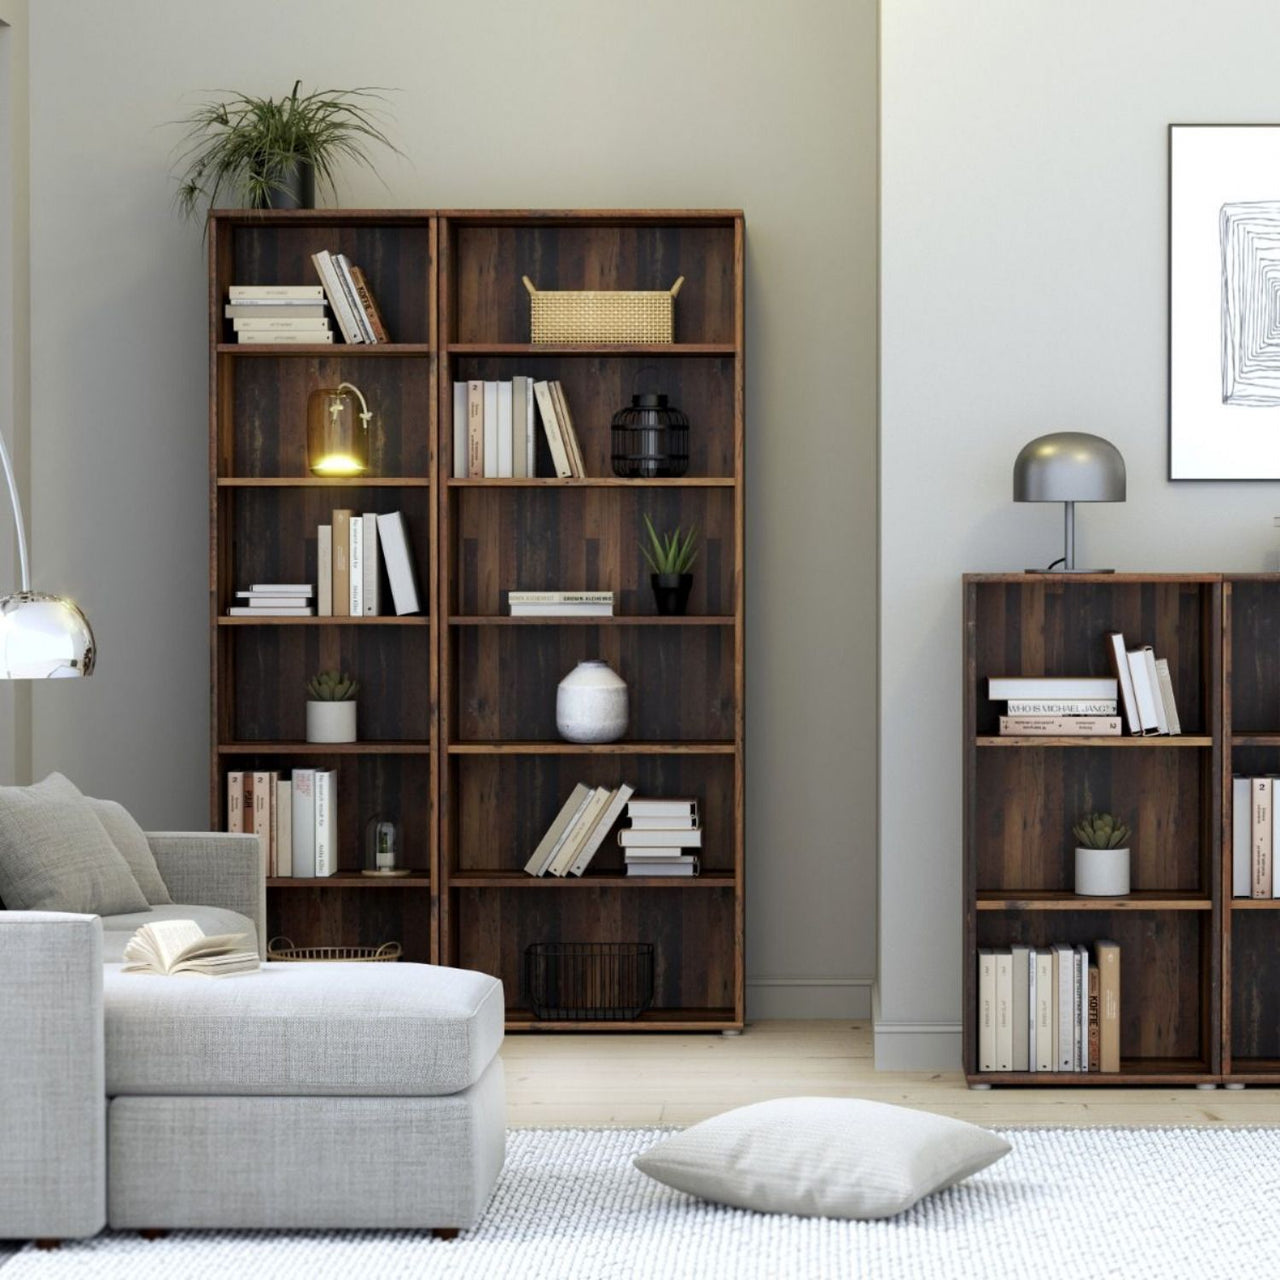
(671, 557)
(269, 153)
(331, 707)
(1102, 856)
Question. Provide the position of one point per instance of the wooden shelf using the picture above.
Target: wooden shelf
(1163, 1071)
(252, 748)
(1197, 741)
(1254, 904)
(326, 350)
(505, 880)
(618, 620)
(1049, 900)
(592, 349)
(323, 482)
(591, 748)
(653, 1020)
(352, 880)
(274, 620)
(1255, 739)
(596, 482)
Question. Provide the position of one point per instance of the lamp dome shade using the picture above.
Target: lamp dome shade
(44, 637)
(1069, 466)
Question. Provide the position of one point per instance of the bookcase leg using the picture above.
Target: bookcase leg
(1206, 1086)
(445, 1233)
(975, 1085)
(153, 1233)
(1234, 1084)
(45, 1244)
(731, 1032)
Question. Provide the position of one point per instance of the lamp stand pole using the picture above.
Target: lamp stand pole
(16, 503)
(1069, 560)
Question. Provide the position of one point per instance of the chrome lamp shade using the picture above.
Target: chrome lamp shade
(42, 637)
(1069, 467)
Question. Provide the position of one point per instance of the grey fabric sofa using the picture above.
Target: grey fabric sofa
(370, 1095)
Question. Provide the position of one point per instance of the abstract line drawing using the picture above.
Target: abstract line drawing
(1249, 234)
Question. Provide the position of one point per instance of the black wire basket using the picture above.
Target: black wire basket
(650, 439)
(588, 981)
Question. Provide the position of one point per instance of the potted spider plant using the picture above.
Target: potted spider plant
(270, 153)
(670, 556)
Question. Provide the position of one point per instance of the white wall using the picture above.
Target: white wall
(560, 103)
(1023, 284)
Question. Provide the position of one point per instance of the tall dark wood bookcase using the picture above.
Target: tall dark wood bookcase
(457, 724)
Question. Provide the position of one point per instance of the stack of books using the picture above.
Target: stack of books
(560, 604)
(1049, 706)
(351, 299)
(295, 819)
(269, 313)
(351, 553)
(579, 829)
(494, 434)
(1255, 864)
(659, 837)
(274, 599)
(1049, 1008)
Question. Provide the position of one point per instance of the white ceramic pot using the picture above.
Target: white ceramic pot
(331, 721)
(1102, 873)
(591, 704)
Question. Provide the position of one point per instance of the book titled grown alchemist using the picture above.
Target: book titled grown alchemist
(181, 947)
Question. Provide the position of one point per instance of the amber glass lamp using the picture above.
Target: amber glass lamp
(338, 432)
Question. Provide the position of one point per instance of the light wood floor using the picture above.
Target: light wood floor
(639, 1080)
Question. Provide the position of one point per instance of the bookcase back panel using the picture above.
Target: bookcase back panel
(329, 916)
(1164, 962)
(1255, 984)
(270, 534)
(504, 680)
(489, 302)
(1051, 628)
(1255, 656)
(267, 698)
(585, 539)
(596, 387)
(263, 431)
(394, 787)
(1028, 799)
(394, 257)
(501, 806)
(692, 934)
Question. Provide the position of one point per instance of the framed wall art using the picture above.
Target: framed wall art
(1224, 302)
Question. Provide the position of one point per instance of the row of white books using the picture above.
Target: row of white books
(1051, 1008)
(1090, 706)
(560, 604)
(278, 313)
(661, 833)
(494, 431)
(295, 818)
(1255, 857)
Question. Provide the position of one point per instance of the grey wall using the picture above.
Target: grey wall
(1023, 291)
(560, 103)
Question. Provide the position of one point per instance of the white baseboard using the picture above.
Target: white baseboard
(917, 1046)
(844, 998)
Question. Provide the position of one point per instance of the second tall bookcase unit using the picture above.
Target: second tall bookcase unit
(457, 725)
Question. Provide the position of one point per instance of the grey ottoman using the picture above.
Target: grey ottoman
(304, 1095)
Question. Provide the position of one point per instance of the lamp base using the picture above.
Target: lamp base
(1068, 571)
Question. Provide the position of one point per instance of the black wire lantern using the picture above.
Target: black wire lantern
(650, 438)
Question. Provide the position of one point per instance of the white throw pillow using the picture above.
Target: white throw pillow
(822, 1157)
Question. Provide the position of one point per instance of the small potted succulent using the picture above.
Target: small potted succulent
(331, 707)
(1102, 856)
(670, 556)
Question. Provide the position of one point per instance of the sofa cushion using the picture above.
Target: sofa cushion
(333, 1029)
(117, 930)
(131, 840)
(55, 855)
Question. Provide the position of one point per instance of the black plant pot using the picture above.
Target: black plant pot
(671, 592)
(293, 186)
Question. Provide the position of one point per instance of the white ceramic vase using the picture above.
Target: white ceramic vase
(591, 704)
(1102, 873)
(331, 721)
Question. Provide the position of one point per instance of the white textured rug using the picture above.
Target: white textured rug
(1075, 1204)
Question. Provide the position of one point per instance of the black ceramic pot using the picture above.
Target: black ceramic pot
(671, 592)
(293, 187)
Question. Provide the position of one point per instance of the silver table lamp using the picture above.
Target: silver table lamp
(1069, 467)
(42, 637)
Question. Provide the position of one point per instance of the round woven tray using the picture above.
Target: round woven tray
(282, 949)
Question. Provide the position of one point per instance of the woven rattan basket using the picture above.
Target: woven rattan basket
(626, 317)
(282, 949)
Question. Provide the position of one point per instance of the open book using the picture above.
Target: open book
(180, 946)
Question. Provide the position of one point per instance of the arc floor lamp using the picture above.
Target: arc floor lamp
(42, 637)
